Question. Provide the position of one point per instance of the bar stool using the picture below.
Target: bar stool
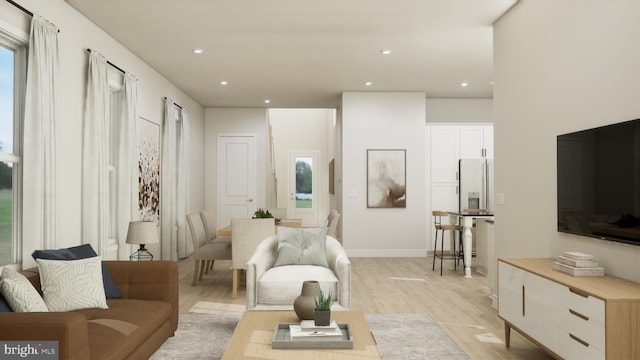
(437, 222)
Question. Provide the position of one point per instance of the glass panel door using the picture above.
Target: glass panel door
(304, 182)
(304, 186)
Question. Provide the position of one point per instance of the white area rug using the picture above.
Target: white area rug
(399, 337)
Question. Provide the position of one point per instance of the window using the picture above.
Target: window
(12, 85)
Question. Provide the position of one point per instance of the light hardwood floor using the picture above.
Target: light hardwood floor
(398, 285)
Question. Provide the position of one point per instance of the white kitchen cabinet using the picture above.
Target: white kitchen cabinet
(476, 141)
(571, 317)
(444, 147)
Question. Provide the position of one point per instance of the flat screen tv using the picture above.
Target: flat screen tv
(599, 182)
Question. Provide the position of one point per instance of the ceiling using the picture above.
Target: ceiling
(305, 53)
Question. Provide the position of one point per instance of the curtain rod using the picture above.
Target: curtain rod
(109, 62)
(165, 98)
(21, 8)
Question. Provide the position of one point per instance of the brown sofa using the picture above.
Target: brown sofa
(133, 327)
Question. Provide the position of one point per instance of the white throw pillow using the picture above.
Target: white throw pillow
(72, 284)
(302, 246)
(19, 293)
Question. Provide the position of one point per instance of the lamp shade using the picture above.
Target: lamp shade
(142, 232)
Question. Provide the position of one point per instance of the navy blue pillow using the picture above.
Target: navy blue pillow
(4, 307)
(81, 252)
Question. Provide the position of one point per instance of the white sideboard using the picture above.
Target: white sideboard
(570, 317)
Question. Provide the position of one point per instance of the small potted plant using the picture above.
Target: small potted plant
(322, 313)
(262, 214)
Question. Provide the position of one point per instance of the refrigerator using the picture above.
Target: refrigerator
(475, 184)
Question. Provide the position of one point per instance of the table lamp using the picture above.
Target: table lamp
(142, 233)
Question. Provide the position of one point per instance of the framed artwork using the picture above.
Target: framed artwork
(386, 178)
(148, 170)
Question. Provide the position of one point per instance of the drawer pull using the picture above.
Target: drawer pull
(578, 292)
(583, 317)
(586, 344)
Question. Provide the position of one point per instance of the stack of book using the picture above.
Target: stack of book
(307, 330)
(577, 264)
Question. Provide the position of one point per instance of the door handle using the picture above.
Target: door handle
(249, 200)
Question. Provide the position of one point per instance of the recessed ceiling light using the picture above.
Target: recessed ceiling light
(198, 51)
(386, 51)
(491, 83)
(368, 83)
(267, 101)
(464, 84)
(223, 83)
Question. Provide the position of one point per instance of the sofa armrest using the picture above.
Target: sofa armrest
(148, 280)
(339, 262)
(69, 329)
(262, 260)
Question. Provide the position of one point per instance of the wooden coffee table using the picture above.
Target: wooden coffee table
(252, 338)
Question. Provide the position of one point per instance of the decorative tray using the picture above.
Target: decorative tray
(282, 339)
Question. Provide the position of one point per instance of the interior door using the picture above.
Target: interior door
(304, 186)
(237, 169)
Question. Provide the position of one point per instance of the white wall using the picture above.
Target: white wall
(560, 66)
(460, 111)
(77, 34)
(233, 121)
(383, 120)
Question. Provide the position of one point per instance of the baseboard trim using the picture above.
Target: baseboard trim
(387, 253)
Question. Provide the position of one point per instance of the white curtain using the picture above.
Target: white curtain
(183, 176)
(126, 160)
(39, 198)
(173, 200)
(95, 156)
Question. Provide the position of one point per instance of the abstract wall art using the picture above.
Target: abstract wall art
(386, 178)
(148, 170)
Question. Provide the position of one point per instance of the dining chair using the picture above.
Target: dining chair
(208, 221)
(205, 252)
(442, 228)
(333, 226)
(210, 232)
(331, 214)
(246, 234)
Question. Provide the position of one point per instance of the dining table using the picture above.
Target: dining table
(466, 220)
(295, 223)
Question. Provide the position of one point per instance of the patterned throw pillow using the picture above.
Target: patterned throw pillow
(19, 293)
(72, 284)
(302, 246)
(81, 252)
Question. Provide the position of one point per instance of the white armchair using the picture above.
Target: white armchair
(275, 288)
